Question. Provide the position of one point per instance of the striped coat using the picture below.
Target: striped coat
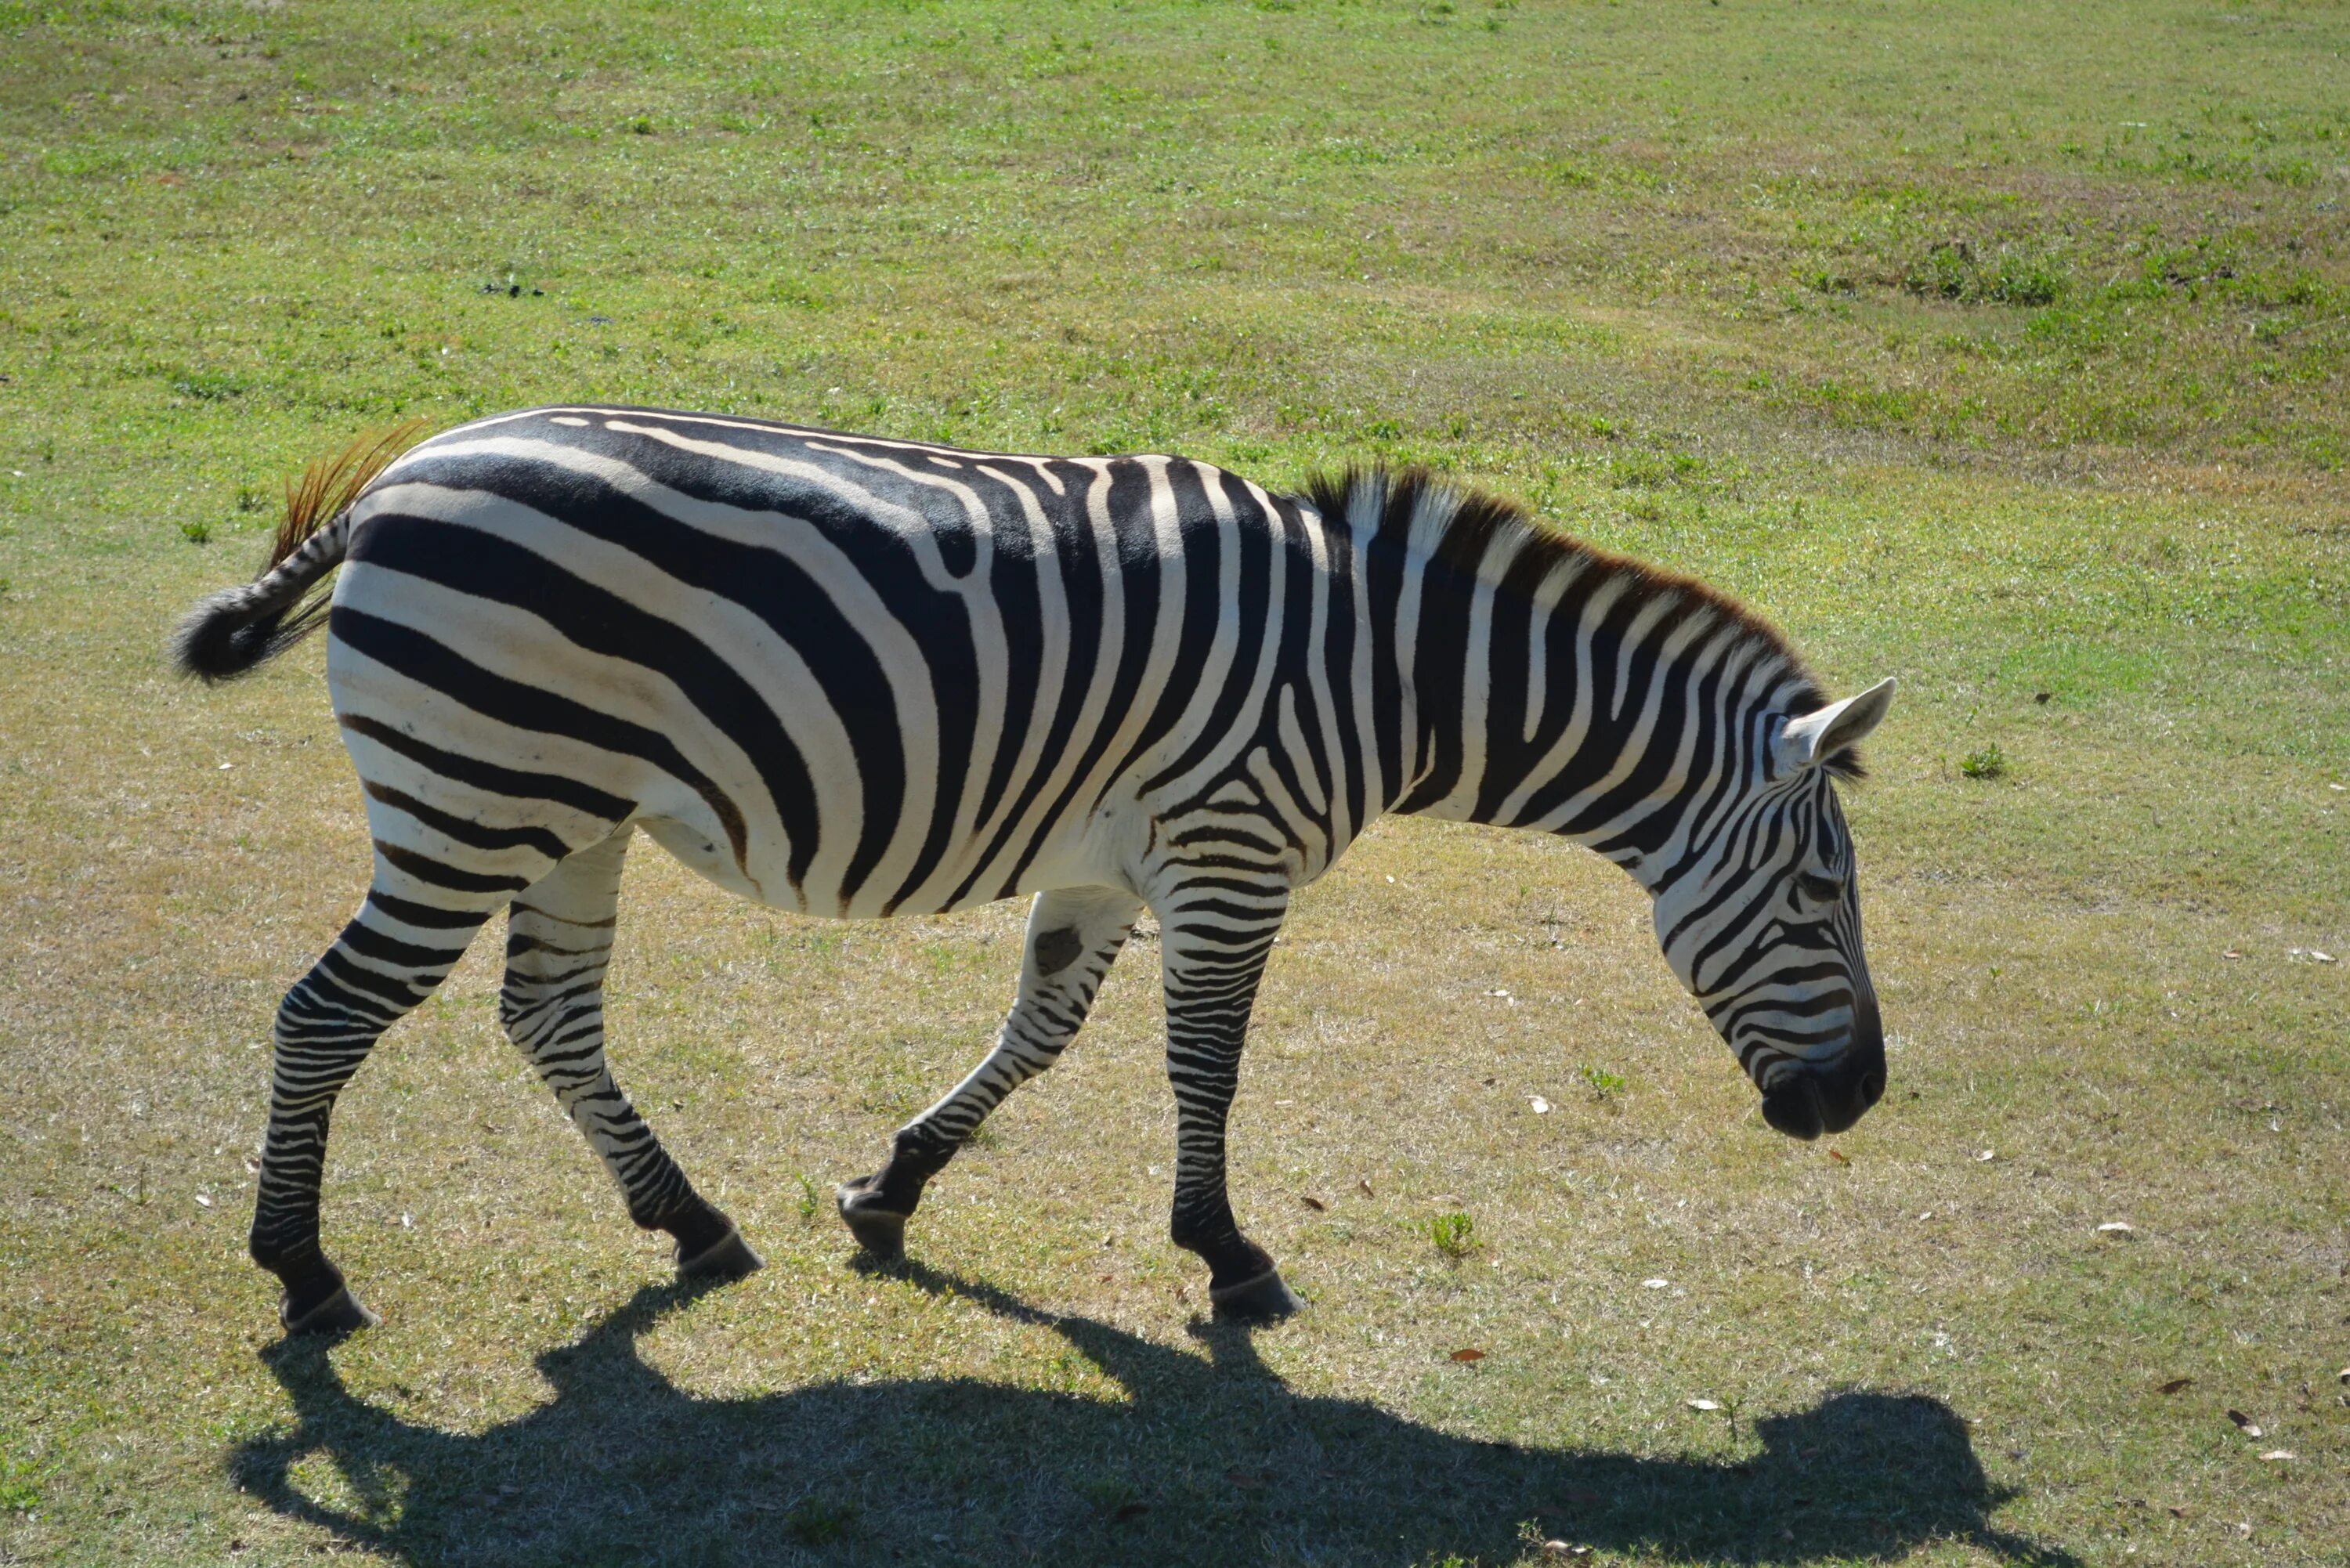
(852, 677)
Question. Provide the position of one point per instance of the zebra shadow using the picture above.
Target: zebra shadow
(1209, 1459)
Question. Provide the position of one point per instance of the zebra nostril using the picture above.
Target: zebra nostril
(1872, 1086)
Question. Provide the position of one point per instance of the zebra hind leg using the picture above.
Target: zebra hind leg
(1074, 936)
(558, 945)
(395, 952)
(1213, 942)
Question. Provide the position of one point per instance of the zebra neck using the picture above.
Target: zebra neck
(1586, 696)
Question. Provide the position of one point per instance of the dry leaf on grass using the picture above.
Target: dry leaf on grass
(1702, 1403)
(2278, 1454)
(1839, 1156)
(1127, 1511)
(1244, 1479)
(2246, 1422)
(2173, 1386)
(1364, 1187)
(1469, 1353)
(1314, 1203)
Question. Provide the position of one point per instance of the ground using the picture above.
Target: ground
(2000, 347)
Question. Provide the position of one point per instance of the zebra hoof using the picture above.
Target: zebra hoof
(1259, 1300)
(728, 1257)
(341, 1312)
(878, 1230)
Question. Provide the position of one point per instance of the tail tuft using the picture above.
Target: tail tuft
(231, 632)
(238, 630)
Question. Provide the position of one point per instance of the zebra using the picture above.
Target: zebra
(853, 677)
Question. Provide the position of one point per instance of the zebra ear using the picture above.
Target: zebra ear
(1817, 737)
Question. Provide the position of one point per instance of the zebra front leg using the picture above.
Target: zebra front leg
(1213, 942)
(1074, 936)
(395, 952)
(558, 945)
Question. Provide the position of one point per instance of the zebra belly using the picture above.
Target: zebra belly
(698, 853)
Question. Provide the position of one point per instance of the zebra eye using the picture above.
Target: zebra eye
(1819, 888)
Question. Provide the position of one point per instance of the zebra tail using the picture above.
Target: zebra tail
(236, 630)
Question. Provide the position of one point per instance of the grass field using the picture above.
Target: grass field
(2001, 348)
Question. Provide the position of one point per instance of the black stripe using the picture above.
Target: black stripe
(479, 836)
(490, 777)
(441, 874)
(391, 950)
(428, 917)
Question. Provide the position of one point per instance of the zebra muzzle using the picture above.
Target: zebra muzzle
(1805, 1105)
(1793, 1106)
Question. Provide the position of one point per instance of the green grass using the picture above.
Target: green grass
(2000, 347)
(1455, 1234)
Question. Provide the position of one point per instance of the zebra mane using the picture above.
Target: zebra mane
(1456, 523)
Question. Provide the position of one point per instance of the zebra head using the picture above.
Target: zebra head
(1760, 917)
